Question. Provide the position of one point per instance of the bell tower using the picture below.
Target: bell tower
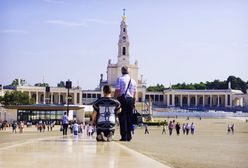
(123, 44)
(114, 70)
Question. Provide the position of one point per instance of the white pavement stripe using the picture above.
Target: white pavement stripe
(156, 163)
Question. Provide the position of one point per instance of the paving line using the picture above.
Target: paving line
(141, 155)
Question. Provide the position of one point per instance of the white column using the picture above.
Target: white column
(173, 99)
(168, 99)
(218, 101)
(51, 101)
(37, 97)
(59, 99)
(75, 98)
(181, 100)
(188, 101)
(231, 102)
(196, 102)
(44, 98)
(211, 100)
(203, 101)
(226, 100)
(29, 94)
(80, 98)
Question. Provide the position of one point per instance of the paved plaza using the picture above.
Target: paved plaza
(72, 151)
(210, 147)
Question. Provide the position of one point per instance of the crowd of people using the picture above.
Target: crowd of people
(3, 125)
(15, 125)
(77, 128)
(43, 125)
(173, 125)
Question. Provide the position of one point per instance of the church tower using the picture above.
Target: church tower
(123, 44)
(114, 70)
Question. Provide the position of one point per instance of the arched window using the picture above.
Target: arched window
(124, 30)
(124, 51)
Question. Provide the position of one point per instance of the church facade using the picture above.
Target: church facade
(114, 70)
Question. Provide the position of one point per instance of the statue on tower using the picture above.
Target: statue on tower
(124, 15)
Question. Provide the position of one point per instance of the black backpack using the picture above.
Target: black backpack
(136, 118)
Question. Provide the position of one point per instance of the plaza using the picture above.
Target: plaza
(53, 150)
(211, 146)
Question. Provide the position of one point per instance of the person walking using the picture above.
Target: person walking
(146, 129)
(48, 125)
(21, 127)
(65, 122)
(183, 128)
(170, 127)
(51, 125)
(14, 126)
(90, 130)
(178, 128)
(163, 130)
(228, 129)
(125, 91)
(75, 128)
(192, 129)
(187, 128)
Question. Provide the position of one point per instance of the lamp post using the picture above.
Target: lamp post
(68, 86)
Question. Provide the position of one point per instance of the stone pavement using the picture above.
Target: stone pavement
(73, 151)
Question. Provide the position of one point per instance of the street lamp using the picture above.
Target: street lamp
(68, 86)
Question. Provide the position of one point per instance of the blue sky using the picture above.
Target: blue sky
(173, 40)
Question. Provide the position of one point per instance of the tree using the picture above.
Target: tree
(15, 82)
(157, 88)
(236, 83)
(61, 84)
(184, 86)
(16, 98)
(200, 86)
(42, 84)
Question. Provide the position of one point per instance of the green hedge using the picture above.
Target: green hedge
(155, 123)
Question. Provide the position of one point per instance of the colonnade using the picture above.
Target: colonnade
(210, 100)
(54, 97)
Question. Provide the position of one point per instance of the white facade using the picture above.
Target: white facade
(196, 98)
(89, 96)
(57, 95)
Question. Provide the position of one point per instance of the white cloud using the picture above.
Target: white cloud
(18, 31)
(84, 23)
(100, 21)
(67, 23)
(54, 1)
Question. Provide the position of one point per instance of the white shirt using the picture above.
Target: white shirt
(75, 127)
